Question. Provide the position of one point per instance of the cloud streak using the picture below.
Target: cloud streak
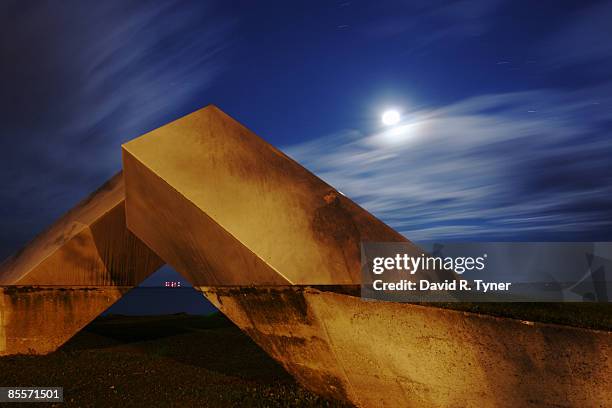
(80, 78)
(526, 165)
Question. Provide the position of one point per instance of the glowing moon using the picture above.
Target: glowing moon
(391, 117)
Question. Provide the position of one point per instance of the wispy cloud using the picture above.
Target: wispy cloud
(534, 164)
(78, 79)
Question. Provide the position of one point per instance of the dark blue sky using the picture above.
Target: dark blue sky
(507, 106)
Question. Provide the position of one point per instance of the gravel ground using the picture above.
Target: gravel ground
(178, 360)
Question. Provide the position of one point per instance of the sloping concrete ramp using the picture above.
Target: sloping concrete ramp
(383, 354)
(277, 250)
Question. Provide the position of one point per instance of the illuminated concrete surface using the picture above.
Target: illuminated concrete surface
(382, 354)
(71, 273)
(224, 207)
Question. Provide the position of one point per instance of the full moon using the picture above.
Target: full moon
(391, 117)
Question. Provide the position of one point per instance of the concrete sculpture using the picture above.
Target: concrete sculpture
(277, 250)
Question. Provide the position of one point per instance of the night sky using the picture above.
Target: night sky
(506, 106)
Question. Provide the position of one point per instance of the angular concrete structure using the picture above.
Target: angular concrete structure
(224, 207)
(277, 250)
(71, 273)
